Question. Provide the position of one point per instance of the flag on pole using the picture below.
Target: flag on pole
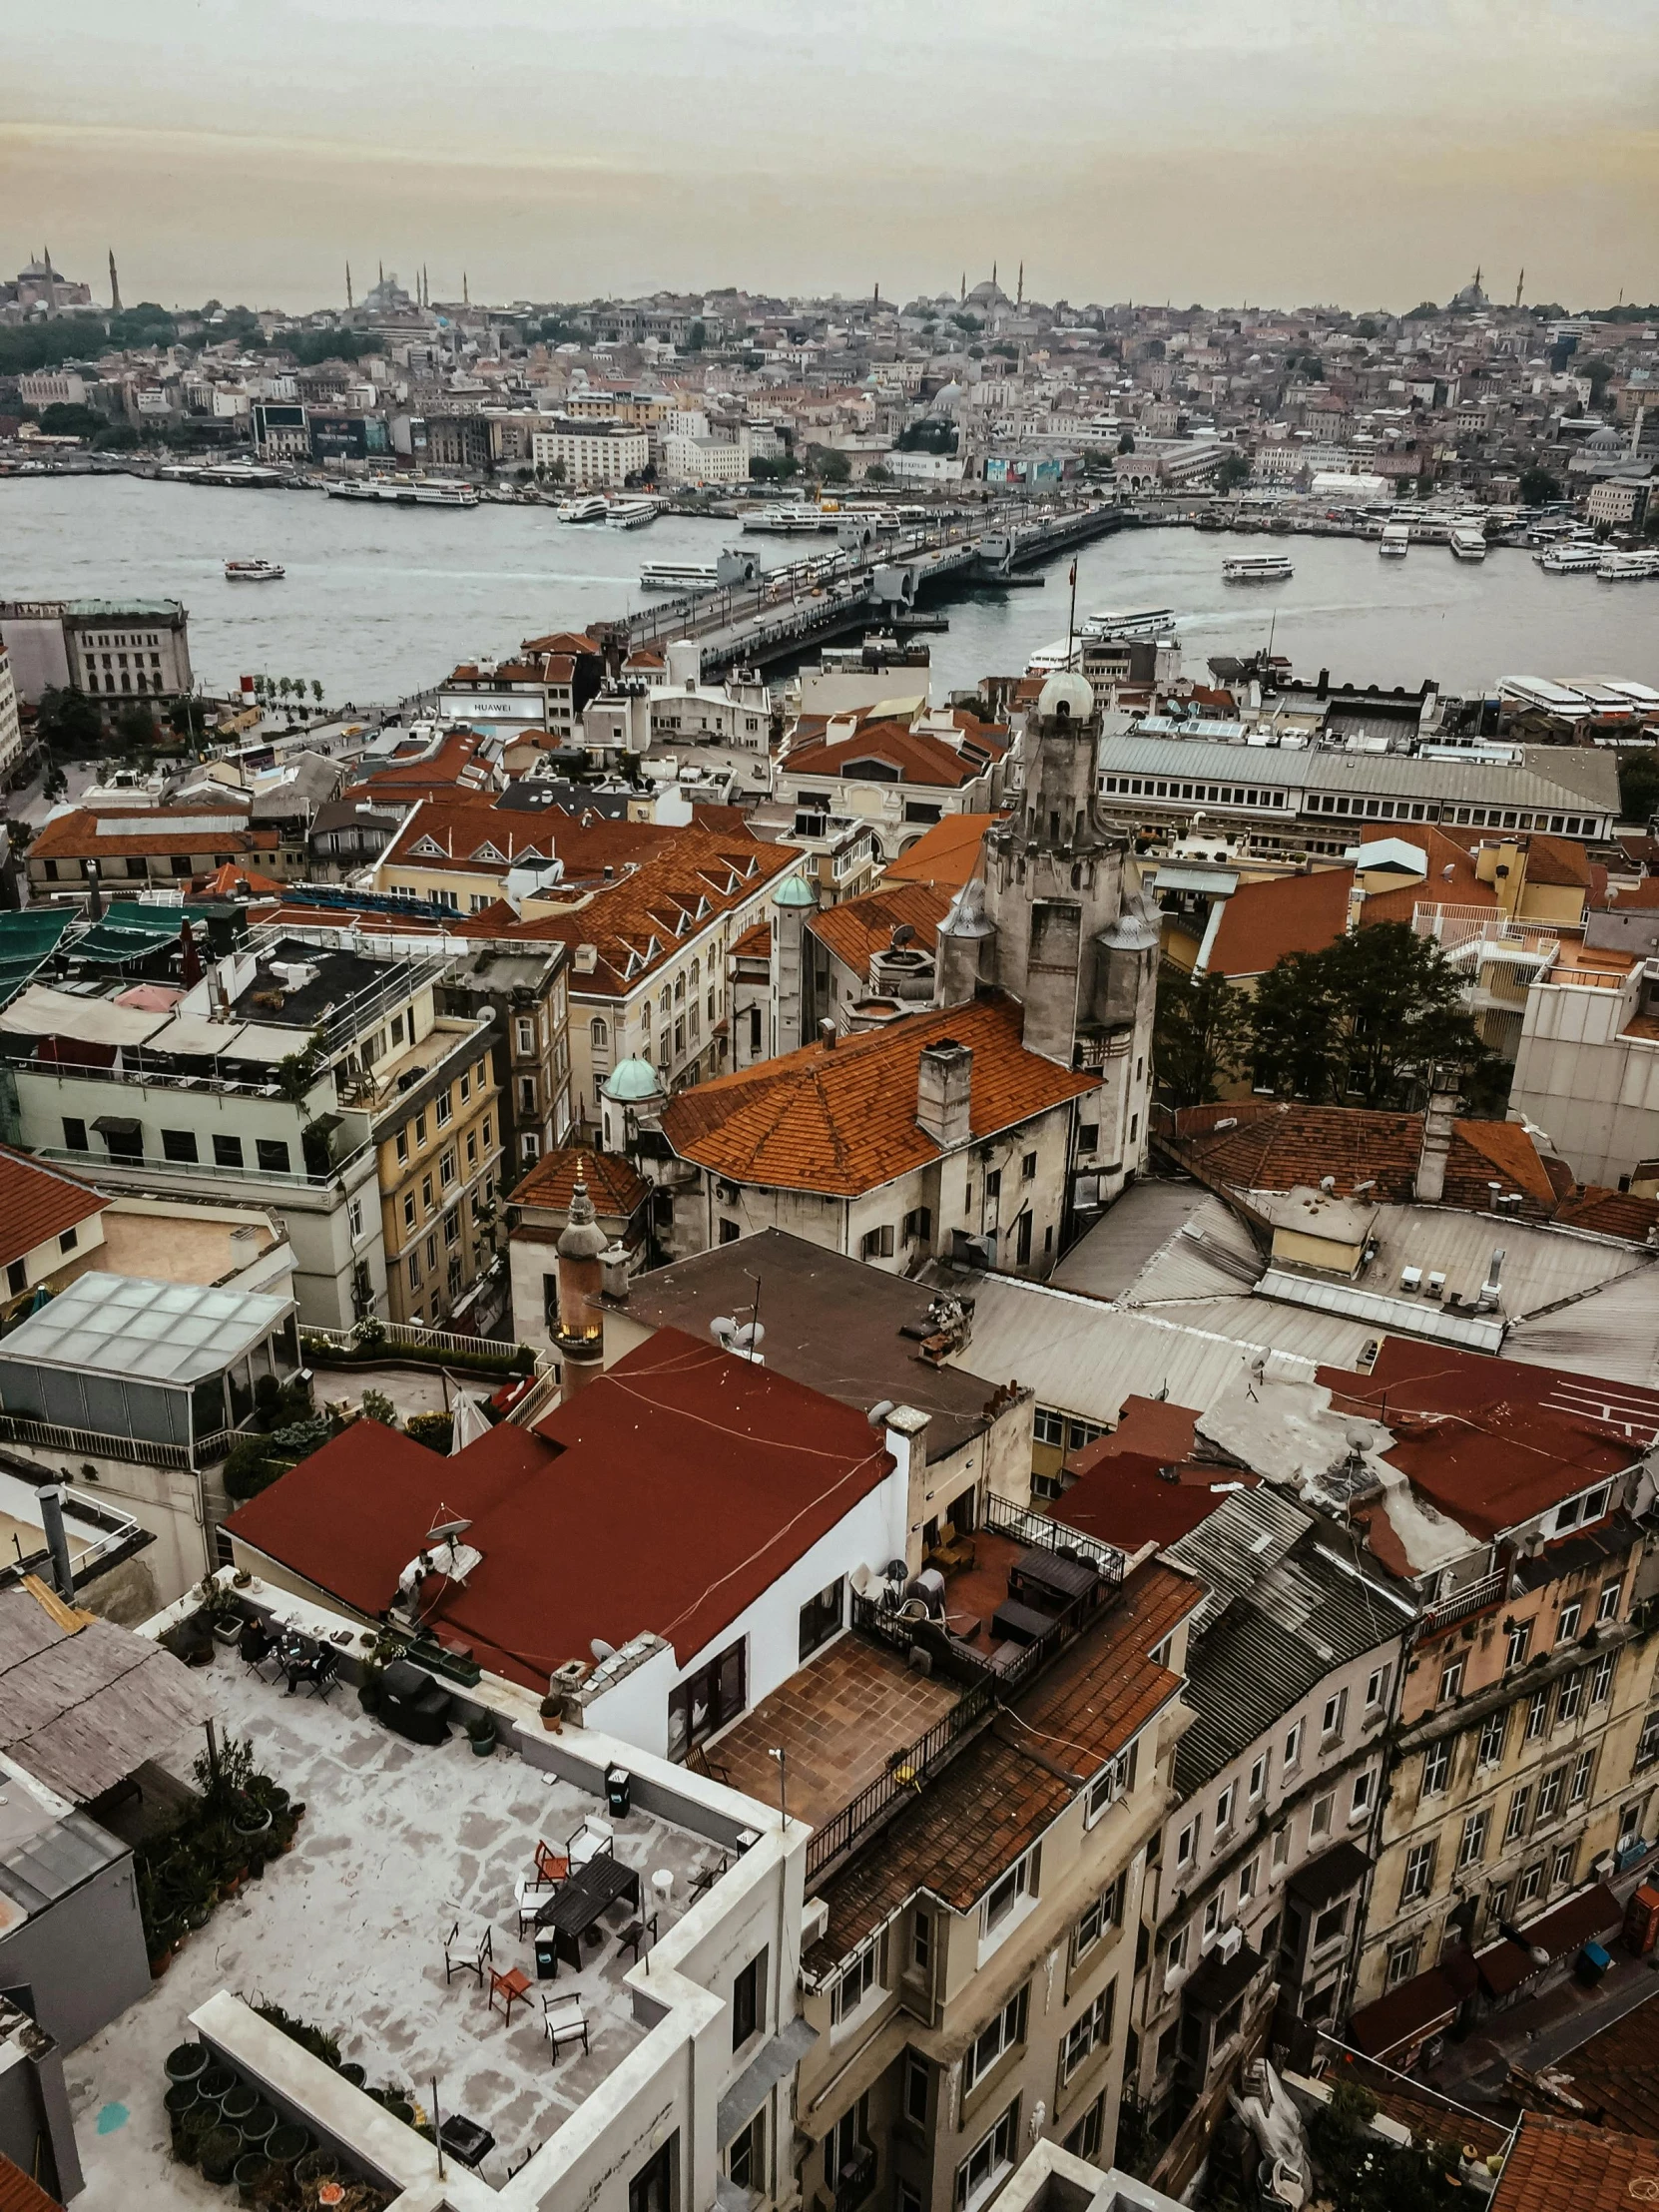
(1072, 579)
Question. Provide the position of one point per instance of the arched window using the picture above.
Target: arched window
(696, 972)
(599, 1032)
(665, 1004)
(679, 988)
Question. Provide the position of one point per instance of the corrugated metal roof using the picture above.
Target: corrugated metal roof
(1129, 1238)
(1230, 1551)
(1541, 1266)
(1540, 783)
(1614, 1334)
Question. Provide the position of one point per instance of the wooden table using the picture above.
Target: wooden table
(1019, 1623)
(578, 1902)
(1047, 1581)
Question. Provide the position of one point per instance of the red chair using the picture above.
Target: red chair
(512, 1987)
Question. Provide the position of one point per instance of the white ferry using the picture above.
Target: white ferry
(1056, 659)
(591, 509)
(1572, 560)
(1257, 568)
(1627, 568)
(732, 567)
(789, 521)
(1467, 542)
(631, 514)
(405, 491)
(254, 572)
(1152, 622)
(1396, 541)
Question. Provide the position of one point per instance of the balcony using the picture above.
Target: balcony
(855, 2178)
(1463, 1605)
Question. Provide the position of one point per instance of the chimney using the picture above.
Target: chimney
(57, 1544)
(1436, 1137)
(944, 1086)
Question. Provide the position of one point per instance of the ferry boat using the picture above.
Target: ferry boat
(405, 491)
(1056, 659)
(1467, 542)
(631, 514)
(732, 567)
(789, 521)
(1572, 560)
(1151, 622)
(1627, 568)
(1396, 541)
(254, 572)
(1257, 568)
(591, 509)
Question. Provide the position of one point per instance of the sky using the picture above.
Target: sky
(1359, 152)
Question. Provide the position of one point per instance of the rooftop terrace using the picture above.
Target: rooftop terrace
(398, 1843)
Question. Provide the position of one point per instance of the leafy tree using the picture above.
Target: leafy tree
(69, 723)
(1233, 472)
(1361, 2172)
(1201, 1036)
(1639, 785)
(829, 466)
(115, 437)
(1423, 309)
(1126, 444)
(311, 348)
(1366, 327)
(1365, 1019)
(697, 337)
(317, 691)
(136, 726)
(878, 473)
(52, 785)
(1292, 1029)
(67, 419)
(1538, 489)
(375, 1405)
(188, 717)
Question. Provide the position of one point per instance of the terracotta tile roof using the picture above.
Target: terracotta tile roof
(1284, 1147)
(1261, 922)
(948, 854)
(1609, 1213)
(860, 926)
(1462, 887)
(232, 882)
(755, 944)
(613, 1185)
(19, 2193)
(995, 1799)
(843, 1120)
(1560, 860)
(1558, 2164)
(575, 642)
(1615, 2075)
(917, 757)
(76, 835)
(727, 822)
(1644, 894)
(38, 1202)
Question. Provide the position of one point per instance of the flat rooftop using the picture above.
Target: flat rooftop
(398, 1843)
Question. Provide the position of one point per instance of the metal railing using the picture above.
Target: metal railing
(1462, 1603)
(137, 1451)
(1039, 1533)
(401, 1335)
(115, 1164)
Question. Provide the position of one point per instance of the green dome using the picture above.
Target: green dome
(632, 1082)
(795, 890)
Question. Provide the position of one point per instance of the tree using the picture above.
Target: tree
(69, 723)
(52, 785)
(317, 691)
(1538, 489)
(1201, 1035)
(1126, 444)
(878, 473)
(1233, 472)
(136, 726)
(1366, 327)
(115, 437)
(189, 717)
(1292, 1029)
(1639, 785)
(696, 339)
(1365, 1021)
(829, 466)
(67, 419)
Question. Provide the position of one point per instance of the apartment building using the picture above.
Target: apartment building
(899, 777)
(1587, 1060)
(531, 692)
(161, 846)
(594, 456)
(110, 648)
(524, 994)
(11, 734)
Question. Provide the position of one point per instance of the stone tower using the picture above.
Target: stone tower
(1056, 920)
(580, 1335)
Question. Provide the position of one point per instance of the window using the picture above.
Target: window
(1336, 1709)
(919, 2086)
(526, 1094)
(529, 1145)
(1088, 1136)
(409, 1210)
(922, 1942)
(990, 2158)
(1537, 1714)
(1048, 1427)
(1028, 1168)
(1116, 1777)
(1420, 1872)
(1472, 1847)
(993, 1185)
(599, 1035)
(1318, 1822)
(466, 1085)
(1489, 1749)
(820, 1617)
(1103, 1913)
(1570, 1698)
(1579, 1787)
(748, 2000)
(1330, 1926)
(354, 1218)
(1530, 1883)
(1377, 1688)
(877, 1244)
(1359, 1802)
(1091, 2030)
(1248, 1879)
(414, 1269)
(746, 2161)
(1567, 1626)
(1292, 1747)
(1175, 1951)
(446, 1168)
(426, 1192)
(178, 1144)
(75, 1134)
(918, 1224)
(452, 1226)
(1630, 1821)
(1601, 1677)
(1518, 1644)
(1257, 1779)
(1550, 1792)
(1515, 1826)
(1647, 1749)
(1224, 1806)
(998, 2036)
(1452, 1680)
(1436, 1768)
(472, 1148)
(1402, 1961)
(1211, 1921)
(1020, 1880)
(524, 1035)
(1607, 1605)
(851, 1988)
(17, 1277)
(1561, 1866)
(226, 1152)
(272, 1154)
(1186, 1845)
(1085, 2139)
(402, 1148)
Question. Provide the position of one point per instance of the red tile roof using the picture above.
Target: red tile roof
(616, 1191)
(232, 882)
(665, 1496)
(1615, 2075)
(1564, 2166)
(916, 756)
(38, 1203)
(1282, 1147)
(945, 855)
(755, 944)
(19, 2193)
(1261, 922)
(843, 1119)
(1609, 1213)
(76, 834)
(860, 926)
(576, 641)
(1560, 860)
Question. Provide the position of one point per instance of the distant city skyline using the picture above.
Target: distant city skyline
(1221, 150)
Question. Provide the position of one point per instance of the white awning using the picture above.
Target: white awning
(43, 1012)
(191, 1037)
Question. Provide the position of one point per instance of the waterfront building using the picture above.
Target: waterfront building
(594, 456)
(107, 648)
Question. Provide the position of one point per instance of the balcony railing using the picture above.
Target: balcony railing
(137, 1451)
(1038, 1533)
(1461, 1605)
(855, 2178)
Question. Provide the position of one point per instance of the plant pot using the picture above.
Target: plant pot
(483, 1745)
(284, 2146)
(227, 1629)
(217, 2084)
(181, 2097)
(236, 2109)
(251, 2172)
(160, 1960)
(352, 2073)
(221, 2148)
(259, 2124)
(316, 2167)
(193, 2131)
(252, 1821)
(187, 2062)
(401, 2110)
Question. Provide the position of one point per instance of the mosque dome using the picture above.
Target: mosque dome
(632, 1083)
(795, 890)
(1066, 694)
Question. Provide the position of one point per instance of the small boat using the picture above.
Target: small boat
(254, 572)
(591, 509)
(1396, 541)
(1571, 560)
(1257, 568)
(1467, 542)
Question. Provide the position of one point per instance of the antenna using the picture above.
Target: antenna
(446, 1531)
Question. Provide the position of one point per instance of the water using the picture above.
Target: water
(377, 603)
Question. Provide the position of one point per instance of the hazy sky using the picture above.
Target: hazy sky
(1361, 151)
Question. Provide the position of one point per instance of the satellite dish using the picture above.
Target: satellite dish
(601, 1649)
(447, 1531)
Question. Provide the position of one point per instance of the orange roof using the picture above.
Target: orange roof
(947, 854)
(1643, 893)
(841, 1118)
(611, 1182)
(1566, 2163)
(1461, 887)
(1260, 923)
(1281, 1147)
(575, 642)
(76, 835)
(232, 882)
(38, 1203)
(1557, 861)
(860, 926)
(755, 944)
(915, 756)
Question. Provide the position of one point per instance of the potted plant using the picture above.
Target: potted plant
(219, 1611)
(187, 2062)
(480, 1734)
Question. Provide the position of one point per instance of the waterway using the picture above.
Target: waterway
(377, 603)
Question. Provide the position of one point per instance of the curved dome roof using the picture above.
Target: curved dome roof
(795, 890)
(1068, 694)
(632, 1082)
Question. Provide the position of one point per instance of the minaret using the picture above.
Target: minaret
(115, 285)
(466, 297)
(993, 275)
(1019, 295)
(963, 301)
(580, 1335)
(1519, 281)
(381, 267)
(349, 299)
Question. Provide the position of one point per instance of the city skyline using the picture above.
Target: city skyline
(1289, 156)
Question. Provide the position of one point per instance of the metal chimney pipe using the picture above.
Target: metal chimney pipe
(57, 1544)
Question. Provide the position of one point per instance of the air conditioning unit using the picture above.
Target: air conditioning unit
(1436, 1284)
(815, 1918)
(1411, 1279)
(1231, 1944)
